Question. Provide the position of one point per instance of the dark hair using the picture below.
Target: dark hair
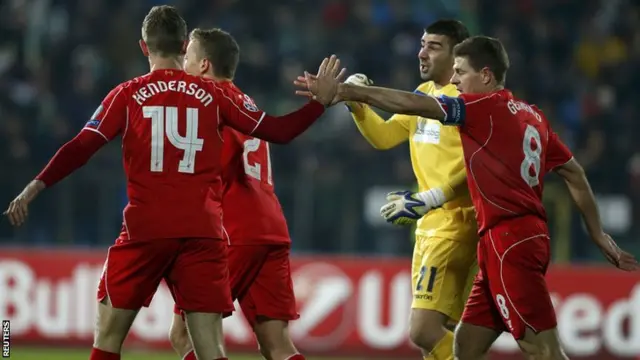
(219, 47)
(484, 51)
(454, 30)
(164, 31)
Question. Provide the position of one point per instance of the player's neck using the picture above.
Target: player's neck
(216, 78)
(440, 83)
(161, 63)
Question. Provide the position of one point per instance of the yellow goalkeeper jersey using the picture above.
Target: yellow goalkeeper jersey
(436, 156)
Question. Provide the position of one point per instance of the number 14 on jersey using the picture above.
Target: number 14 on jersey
(164, 122)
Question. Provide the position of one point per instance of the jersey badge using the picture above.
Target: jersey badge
(93, 123)
(249, 104)
(427, 132)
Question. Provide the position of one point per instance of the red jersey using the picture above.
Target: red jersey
(170, 125)
(252, 212)
(508, 148)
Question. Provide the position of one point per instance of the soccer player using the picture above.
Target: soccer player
(444, 254)
(508, 147)
(172, 227)
(259, 242)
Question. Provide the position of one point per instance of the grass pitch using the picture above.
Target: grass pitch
(24, 353)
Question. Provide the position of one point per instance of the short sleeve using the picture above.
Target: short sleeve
(109, 119)
(557, 152)
(239, 111)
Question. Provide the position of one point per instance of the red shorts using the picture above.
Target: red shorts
(260, 277)
(195, 270)
(510, 293)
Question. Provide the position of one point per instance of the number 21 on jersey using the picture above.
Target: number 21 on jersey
(164, 122)
(254, 168)
(532, 148)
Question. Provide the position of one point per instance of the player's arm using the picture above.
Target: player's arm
(285, 128)
(438, 196)
(105, 124)
(448, 110)
(71, 156)
(457, 184)
(582, 195)
(560, 160)
(244, 116)
(380, 134)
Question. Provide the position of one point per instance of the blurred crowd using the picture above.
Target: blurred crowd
(58, 58)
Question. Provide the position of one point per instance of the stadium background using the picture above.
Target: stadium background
(578, 60)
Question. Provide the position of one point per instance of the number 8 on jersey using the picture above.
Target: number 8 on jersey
(532, 148)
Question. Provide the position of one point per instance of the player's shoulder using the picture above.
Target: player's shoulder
(426, 88)
(450, 90)
(122, 88)
(132, 85)
(238, 97)
(200, 81)
(519, 106)
(226, 87)
(137, 81)
(538, 110)
(430, 88)
(487, 99)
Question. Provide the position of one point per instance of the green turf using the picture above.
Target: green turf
(74, 354)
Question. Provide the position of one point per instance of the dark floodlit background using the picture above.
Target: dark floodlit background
(576, 59)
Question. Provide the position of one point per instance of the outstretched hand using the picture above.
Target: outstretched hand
(322, 87)
(303, 81)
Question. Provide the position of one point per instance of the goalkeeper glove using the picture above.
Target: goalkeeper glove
(406, 207)
(358, 80)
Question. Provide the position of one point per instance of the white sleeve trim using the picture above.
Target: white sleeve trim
(439, 104)
(259, 122)
(97, 132)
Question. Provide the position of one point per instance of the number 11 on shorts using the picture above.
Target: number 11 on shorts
(430, 282)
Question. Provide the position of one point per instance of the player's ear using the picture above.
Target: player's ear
(487, 75)
(205, 65)
(143, 47)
